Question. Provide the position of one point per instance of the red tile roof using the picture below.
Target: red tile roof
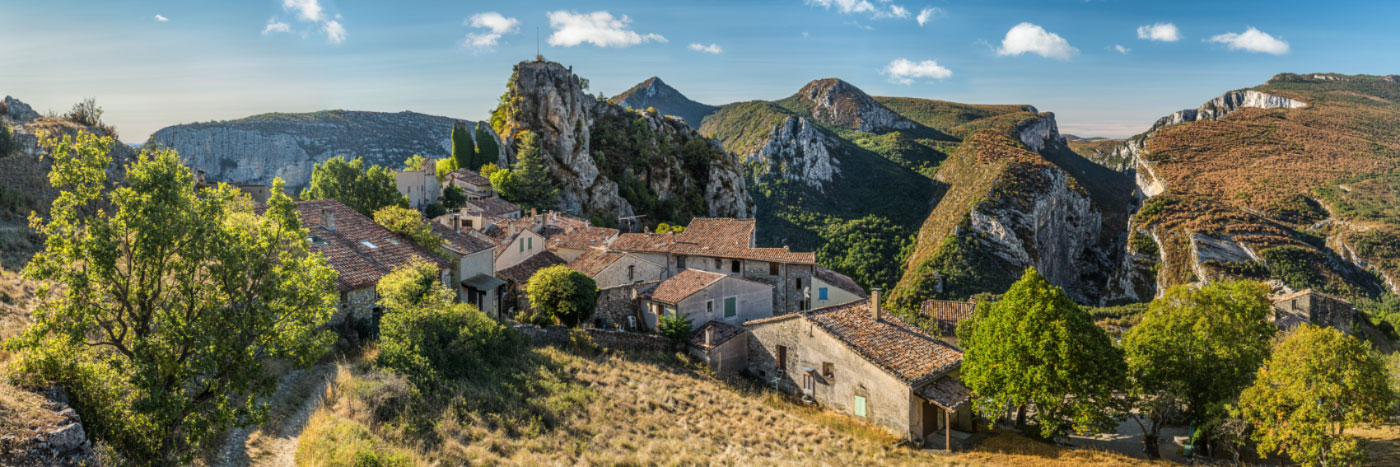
(460, 242)
(840, 281)
(582, 238)
(521, 273)
(946, 313)
(359, 249)
(901, 349)
(717, 237)
(683, 285)
(723, 332)
(593, 261)
(493, 206)
(468, 176)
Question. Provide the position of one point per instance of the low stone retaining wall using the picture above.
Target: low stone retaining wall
(613, 339)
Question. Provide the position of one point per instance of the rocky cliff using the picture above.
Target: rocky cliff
(255, 149)
(609, 161)
(654, 93)
(838, 103)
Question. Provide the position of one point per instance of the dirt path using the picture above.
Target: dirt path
(298, 395)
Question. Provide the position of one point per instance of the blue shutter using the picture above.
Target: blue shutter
(821, 293)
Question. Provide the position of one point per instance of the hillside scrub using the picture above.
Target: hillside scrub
(162, 303)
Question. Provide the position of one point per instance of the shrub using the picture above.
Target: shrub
(563, 294)
(7, 140)
(675, 327)
(430, 345)
(434, 210)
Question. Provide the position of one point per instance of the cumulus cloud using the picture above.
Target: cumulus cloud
(864, 7)
(494, 24)
(1162, 32)
(335, 33)
(276, 26)
(161, 18)
(1252, 40)
(599, 28)
(709, 49)
(928, 14)
(1029, 38)
(1121, 49)
(905, 71)
(306, 10)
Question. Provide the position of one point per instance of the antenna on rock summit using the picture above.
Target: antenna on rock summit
(538, 56)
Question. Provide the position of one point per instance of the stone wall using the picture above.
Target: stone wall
(615, 304)
(611, 339)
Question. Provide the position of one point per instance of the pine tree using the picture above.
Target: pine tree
(529, 184)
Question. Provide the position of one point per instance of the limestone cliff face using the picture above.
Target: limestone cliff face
(547, 99)
(839, 103)
(253, 150)
(797, 150)
(1039, 133)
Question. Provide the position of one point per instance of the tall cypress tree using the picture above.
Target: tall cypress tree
(463, 150)
(487, 151)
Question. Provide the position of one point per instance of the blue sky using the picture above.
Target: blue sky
(155, 63)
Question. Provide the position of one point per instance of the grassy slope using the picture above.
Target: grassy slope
(626, 408)
(1269, 161)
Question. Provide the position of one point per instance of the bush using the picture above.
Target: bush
(563, 294)
(675, 327)
(7, 140)
(434, 210)
(431, 345)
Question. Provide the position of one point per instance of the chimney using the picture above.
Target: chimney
(328, 219)
(709, 336)
(429, 166)
(875, 304)
(457, 223)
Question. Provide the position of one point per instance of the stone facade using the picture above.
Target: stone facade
(1319, 308)
(727, 358)
(825, 294)
(751, 301)
(791, 285)
(358, 304)
(420, 186)
(628, 270)
(610, 339)
(616, 304)
(526, 244)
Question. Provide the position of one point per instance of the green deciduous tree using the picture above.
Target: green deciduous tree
(453, 197)
(1036, 348)
(411, 225)
(1194, 351)
(1316, 384)
(871, 250)
(364, 189)
(159, 312)
(430, 339)
(414, 162)
(527, 184)
(675, 327)
(566, 295)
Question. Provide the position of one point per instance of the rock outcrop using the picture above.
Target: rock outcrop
(797, 150)
(653, 93)
(547, 99)
(839, 103)
(1039, 133)
(47, 433)
(253, 150)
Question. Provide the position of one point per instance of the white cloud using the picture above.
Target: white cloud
(1164, 32)
(1027, 37)
(162, 18)
(1121, 49)
(904, 71)
(307, 10)
(928, 14)
(276, 26)
(887, 10)
(1253, 40)
(335, 33)
(496, 26)
(709, 49)
(599, 28)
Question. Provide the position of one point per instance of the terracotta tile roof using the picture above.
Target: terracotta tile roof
(359, 249)
(468, 176)
(947, 392)
(461, 242)
(723, 332)
(582, 238)
(718, 237)
(521, 273)
(1310, 292)
(840, 281)
(683, 285)
(593, 261)
(493, 206)
(946, 313)
(899, 348)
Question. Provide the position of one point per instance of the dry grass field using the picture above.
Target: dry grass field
(621, 408)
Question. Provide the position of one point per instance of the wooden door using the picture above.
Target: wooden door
(782, 358)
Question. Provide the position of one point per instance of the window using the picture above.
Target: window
(828, 370)
(860, 406)
(532, 242)
(709, 306)
(731, 307)
(369, 244)
(680, 262)
(734, 265)
(522, 245)
(821, 293)
(772, 269)
(631, 272)
(719, 263)
(798, 284)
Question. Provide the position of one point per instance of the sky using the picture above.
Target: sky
(1106, 68)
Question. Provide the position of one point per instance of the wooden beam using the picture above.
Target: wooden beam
(947, 430)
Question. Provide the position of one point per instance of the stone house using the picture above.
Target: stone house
(259, 193)
(362, 252)
(517, 276)
(471, 182)
(830, 288)
(615, 268)
(518, 247)
(1315, 307)
(946, 314)
(858, 360)
(705, 296)
(492, 206)
(722, 346)
(726, 246)
(574, 243)
(420, 186)
(474, 276)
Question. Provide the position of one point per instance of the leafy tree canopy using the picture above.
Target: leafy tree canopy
(566, 295)
(1316, 384)
(676, 327)
(410, 224)
(870, 250)
(1194, 350)
(161, 309)
(350, 182)
(1035, 347)
(414, 162)
(453, 197)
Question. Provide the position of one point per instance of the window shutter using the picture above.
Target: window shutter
(730, 307)
(860, 406)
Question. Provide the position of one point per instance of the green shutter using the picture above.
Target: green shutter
(860, 406)
(532, 242)
(730, 307)
(522, 245)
